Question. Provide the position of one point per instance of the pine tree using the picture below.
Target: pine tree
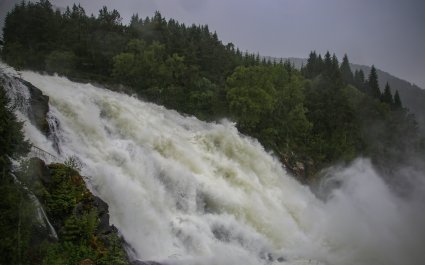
(346, 73)
(373, 85)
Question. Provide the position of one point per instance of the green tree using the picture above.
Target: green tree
(346, 73)
(397, 101)
(289, 119)
(373, 85)
(387, 97)
(251, 95)
(12, 142)
(314, 65)
(359, 80)
(36, 37)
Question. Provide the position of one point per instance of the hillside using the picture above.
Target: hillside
(412, 96)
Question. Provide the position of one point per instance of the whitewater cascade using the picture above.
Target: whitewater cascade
(182, 191)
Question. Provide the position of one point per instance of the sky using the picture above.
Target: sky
(387, 33)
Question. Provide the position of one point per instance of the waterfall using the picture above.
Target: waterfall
(183, 191)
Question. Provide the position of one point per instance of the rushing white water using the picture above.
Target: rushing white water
(182, 191)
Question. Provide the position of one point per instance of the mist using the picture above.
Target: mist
(365, 212)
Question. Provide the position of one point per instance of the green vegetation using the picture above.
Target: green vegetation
(318, 116)
(72, 210)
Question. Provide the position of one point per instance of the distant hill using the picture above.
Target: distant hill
(412, 96)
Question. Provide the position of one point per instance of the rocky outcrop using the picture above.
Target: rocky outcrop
(79, 217)
(302, 168)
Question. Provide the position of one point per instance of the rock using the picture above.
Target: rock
(39, 106)
(299, 169)
(39, 171)
(269, 257)
(103, 215)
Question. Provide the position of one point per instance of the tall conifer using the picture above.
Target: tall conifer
(373, 85)
(346, 73)
(397, 100)
(387, 97)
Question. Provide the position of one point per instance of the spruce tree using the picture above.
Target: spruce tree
(346, 73)
(373, 85)
(397, 101)
(335, 73)
(387, 97)
(327, 62)
(328, 66)
(359, 80)
(310, 70)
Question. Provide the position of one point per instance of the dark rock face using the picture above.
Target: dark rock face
(103, 227)
(103, 215)
(39, 106)
(39, 171)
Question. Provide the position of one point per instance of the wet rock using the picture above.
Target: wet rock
(38, 171)
(301, 167)
(39, 106)
(103, 215)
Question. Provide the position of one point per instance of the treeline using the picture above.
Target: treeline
(314, 117)
(353, 117)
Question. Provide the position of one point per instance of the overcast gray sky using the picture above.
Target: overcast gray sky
(387, 33)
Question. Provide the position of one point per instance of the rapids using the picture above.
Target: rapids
(183, 191)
